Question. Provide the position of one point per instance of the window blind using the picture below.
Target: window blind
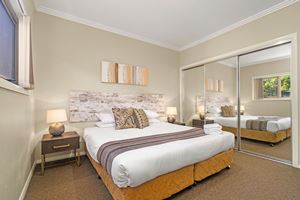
(7, 45)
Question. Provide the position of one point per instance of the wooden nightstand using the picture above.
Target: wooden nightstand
(200, 123)
(69, 141)
(180, 123)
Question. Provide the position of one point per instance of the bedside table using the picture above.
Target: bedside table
(200, 123)
(68, 141)
(180, 123)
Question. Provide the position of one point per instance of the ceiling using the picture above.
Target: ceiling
(175, 24)
(259, 57)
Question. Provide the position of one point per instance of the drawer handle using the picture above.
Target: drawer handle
(61, 146)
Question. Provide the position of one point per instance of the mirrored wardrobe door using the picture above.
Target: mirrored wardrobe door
(221, 94)
(265, 104)
(193, 91)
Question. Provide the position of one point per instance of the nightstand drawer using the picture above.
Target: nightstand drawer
(60, 145)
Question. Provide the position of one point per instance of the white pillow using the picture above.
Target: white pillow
(214, 110)
(106, 118)
(154, 120)
(212, 115)
(151, 114)
(102, 125)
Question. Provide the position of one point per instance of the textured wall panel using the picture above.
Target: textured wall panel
(83, 105)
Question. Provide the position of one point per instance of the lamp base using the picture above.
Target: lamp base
(171, 119)
(56, 129)
(202, 116)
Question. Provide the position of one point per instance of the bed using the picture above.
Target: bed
(167, 169)
(276, 130)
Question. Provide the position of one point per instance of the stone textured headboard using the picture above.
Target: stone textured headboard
(83, 105)
(209, 101)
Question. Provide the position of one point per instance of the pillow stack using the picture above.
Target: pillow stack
(228, 111)
(124, 118)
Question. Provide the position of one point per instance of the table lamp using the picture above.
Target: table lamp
(201, 111)
(55, 119)
(242, 109)
(171, 112)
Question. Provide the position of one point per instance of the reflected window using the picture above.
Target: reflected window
(272, 87)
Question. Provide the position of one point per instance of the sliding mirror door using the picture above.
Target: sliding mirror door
(193, 90)
(221, 94)
(265, 104)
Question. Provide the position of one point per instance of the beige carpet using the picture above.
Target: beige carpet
(249, 178)
(282, 150)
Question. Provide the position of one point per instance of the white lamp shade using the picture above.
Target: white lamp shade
(171, 111)
(242, 108)
(201, 109)
(54, 116)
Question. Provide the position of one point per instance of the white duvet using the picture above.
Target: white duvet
(135, 167)
(272, 126)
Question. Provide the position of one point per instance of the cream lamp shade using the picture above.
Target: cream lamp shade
(201, 109)
(56, 116)
(171, 111)
(242, 108)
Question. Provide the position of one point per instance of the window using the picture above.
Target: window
(8, 43)
(272, 87)
(15, 46)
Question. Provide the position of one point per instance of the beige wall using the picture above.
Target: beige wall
(68, 56)
(280, 23)
(218, 71)
(17, 136)
(263, 107)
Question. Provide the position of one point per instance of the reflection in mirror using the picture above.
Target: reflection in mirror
(221, 99)
(265, 91)
(193, 86)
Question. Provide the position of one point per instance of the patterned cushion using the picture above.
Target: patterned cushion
(140, 118)
(228, 111)
(124, 118)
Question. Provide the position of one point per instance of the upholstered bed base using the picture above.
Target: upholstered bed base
(264, 136)
(166, 185)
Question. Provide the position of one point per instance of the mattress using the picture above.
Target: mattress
(272, 126)
(135, 167)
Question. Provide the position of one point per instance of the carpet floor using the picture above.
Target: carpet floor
(282, 150)
(250, 178)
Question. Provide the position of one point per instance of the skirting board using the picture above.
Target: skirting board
(25, 187)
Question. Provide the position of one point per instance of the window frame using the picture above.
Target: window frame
(278, 98)
(14, 19)
(17, 12)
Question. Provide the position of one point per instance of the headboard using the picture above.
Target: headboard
(210, 101)
(83, 105)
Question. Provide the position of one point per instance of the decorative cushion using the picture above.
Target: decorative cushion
(140, 118)
(124, 118)
(228, 111)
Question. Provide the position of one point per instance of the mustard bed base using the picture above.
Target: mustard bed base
(263, 136)
(166, 185)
